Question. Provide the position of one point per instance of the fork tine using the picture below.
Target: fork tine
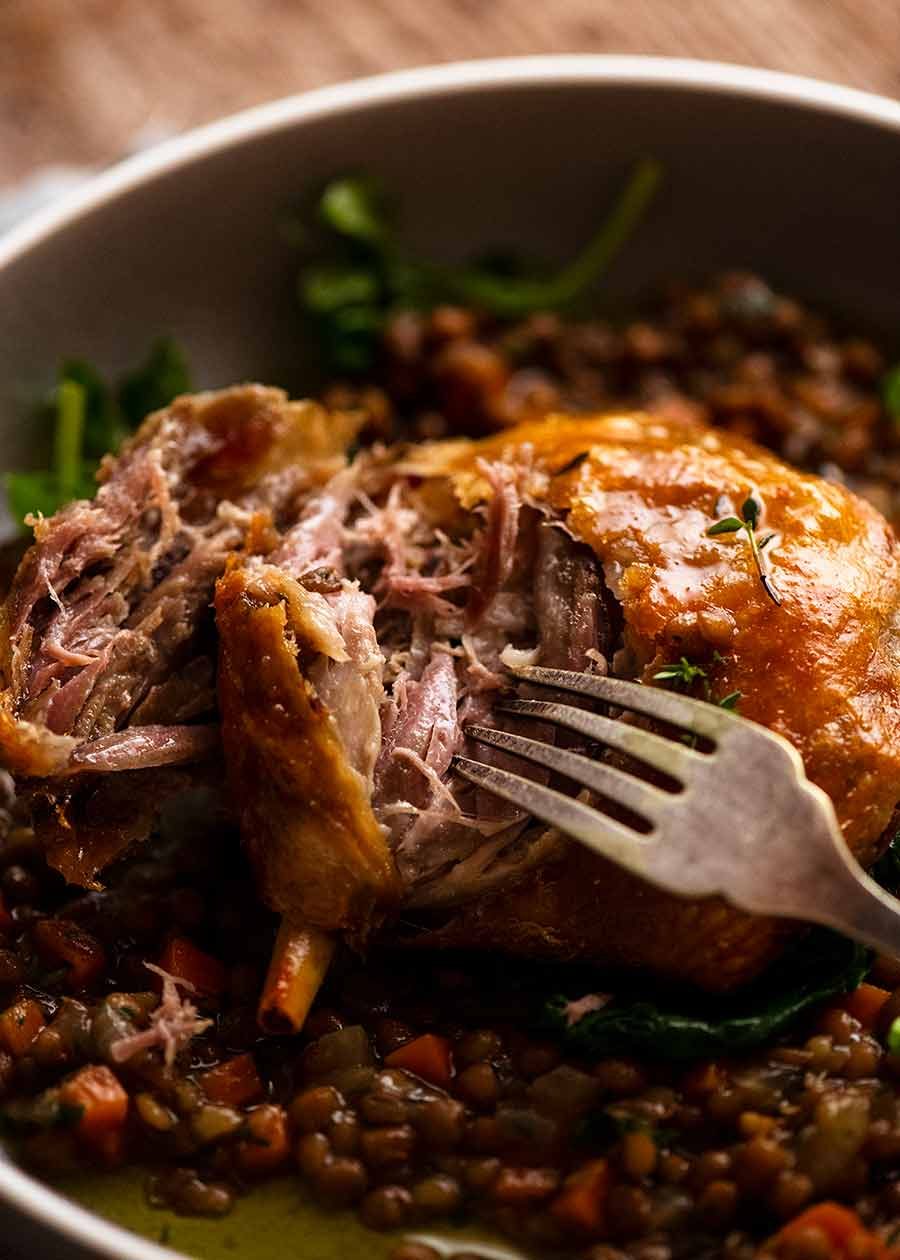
(676, 760)
(604, 835)
(641, 798)
(693, 715)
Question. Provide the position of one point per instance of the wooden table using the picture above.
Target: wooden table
(81, 80)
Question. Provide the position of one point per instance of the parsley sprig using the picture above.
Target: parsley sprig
(748, 521)
(88, 415)
(366, 274)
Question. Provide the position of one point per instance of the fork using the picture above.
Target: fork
(741, 819)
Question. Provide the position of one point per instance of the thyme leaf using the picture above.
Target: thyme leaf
(684, 673)
(748, 522)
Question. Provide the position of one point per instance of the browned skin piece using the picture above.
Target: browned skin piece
(822, 670)
(93, 567)
(315, 845)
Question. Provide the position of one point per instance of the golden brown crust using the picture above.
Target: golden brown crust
(822, 669)
(317, 850)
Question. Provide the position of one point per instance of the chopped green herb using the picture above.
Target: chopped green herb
(512, 298)
(890, 392)
(607, 1125)
(162, 376)
(70, 476)
(731, 701)
(748, 522)
(684, 673)
(354, 207)
(368, 275)
(892, 1041)
(89, 417)
(40, 1114)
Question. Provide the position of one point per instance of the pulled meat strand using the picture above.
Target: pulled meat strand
(173, 1025)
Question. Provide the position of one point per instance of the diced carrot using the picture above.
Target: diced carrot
(6, 920)
(61, 941)
(581, 1204)
(183, 960)
(19, 1025)
(266, 1146)
(842, 1227)
(235, 1082)
(428, 1056)
(865, 1003)
(103, 1106)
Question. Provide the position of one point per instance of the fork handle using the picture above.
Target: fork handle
(859, 907)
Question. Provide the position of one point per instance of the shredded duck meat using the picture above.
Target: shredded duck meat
(173, 1025)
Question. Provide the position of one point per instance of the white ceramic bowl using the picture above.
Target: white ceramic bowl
(798, 179)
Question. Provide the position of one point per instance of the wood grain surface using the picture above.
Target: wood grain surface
(82, 80)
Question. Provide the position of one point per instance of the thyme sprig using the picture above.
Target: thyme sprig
(748, 521)
(684, 674)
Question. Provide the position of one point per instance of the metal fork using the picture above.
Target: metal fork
(743, 821)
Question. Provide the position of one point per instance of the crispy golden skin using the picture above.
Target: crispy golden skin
(822, 670)
(317, 850)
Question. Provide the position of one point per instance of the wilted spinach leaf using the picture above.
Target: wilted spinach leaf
(817, 967)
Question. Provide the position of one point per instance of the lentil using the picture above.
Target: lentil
(342, 1131)
(478, 1086)
(388, 1207)
(313, 1152)
(341, 1181)
(384, 1146)
(639, 1155)
(438, 1195)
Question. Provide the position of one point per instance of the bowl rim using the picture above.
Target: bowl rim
(678, 73)
(19, 1190)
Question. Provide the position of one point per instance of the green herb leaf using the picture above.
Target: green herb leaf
(730, 525)
(26, 493)
(103, 425)
(161, 377)
(890, 392)
(87, 418)
(819, 966)
(351, 295)
(730, 701)
(892, 1038)
(353, 206)
(748, 522)
(512, 298)
(69, 438)
(604, 1127)
(324, 290)
(750, 512)
(682, 671)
